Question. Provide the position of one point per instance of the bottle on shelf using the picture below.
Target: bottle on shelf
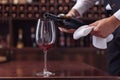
(52, 1)
(81, 42)
(5, 56)
(20, 43)
(6, 14)
(37, 15)
(51, 8)
(32, 30)
(96, 15)
(14, 14)
(36, 8)
(29, 8)
(29, 15)
(62, 39)
(8, 40)
(103, 15)
(68, 41)
(21, 15)
(1, 7)
(7, 8)
(2, 42)
(60, 1)
(43, 8)
(43, 1)
(95, 8)
(89, 15)
(67, 1)
(14, 7)
(21, 7)
(60, 8)
(63, 21)
(66, 8)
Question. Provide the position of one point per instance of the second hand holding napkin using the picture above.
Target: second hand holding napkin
(97, 42)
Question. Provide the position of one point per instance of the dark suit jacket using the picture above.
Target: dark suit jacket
(113, 55)
(115, 4)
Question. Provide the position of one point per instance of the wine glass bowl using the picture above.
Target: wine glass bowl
(45, 38)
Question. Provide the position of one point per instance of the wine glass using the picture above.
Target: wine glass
(45, 38)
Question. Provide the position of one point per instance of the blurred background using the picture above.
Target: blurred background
(18, 21)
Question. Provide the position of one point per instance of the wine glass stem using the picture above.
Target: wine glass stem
(45, 60)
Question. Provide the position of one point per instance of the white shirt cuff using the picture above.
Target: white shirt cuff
(83, 5)
(117, 14)
(79, 8)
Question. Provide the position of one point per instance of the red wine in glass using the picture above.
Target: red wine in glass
(45, 47)
(45, 38)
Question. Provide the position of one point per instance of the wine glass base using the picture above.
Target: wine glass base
(45, 74)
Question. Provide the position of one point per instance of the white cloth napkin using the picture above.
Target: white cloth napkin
(97, 42)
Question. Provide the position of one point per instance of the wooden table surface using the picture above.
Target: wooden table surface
(25, 70)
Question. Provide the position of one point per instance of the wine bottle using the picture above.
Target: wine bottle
(62, 39)
(32, 30)
(5, 56)
(14, 8)
(7, 7)
(29, 8)
(20, 43)
(14, 14)
(21, 8)
(63, 21)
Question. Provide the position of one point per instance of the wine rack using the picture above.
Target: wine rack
(13, 10)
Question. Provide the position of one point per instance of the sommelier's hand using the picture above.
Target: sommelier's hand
(71, 13)
(105, 26)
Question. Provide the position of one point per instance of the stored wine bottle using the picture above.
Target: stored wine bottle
(21, 15)
(60, 8)
(67, 1)
(32, 30)
(14, 14)
(29, 15)
(6, 14)
(29, 8)
(14, 8)
(43, 8)
(36, 8)
(7, 7)
(62, 39)
(51, 8)
(5, 56)
(52, 1)
(43, 1)
(36, 14)
(66, 8)
(63, 21)
(60, 1)
(21, 7)
(20, 43)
